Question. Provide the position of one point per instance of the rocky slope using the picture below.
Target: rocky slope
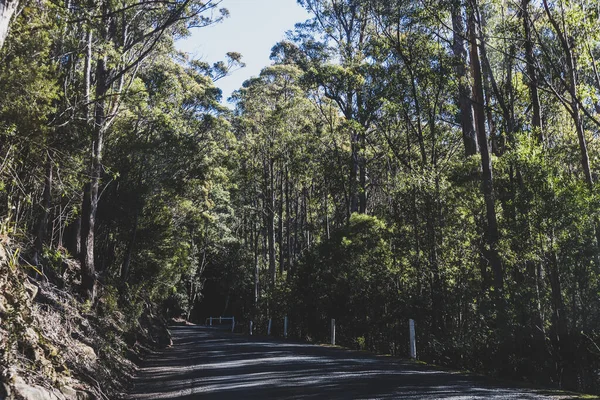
(53, 346)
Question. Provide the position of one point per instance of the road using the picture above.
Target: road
(206, 363)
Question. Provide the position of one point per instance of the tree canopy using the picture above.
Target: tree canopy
(433, 160)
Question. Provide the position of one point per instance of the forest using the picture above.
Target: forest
(434, 160)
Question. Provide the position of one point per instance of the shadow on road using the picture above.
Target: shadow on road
(205, 363)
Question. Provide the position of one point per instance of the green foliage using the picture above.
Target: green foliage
(350, 277)
(251, 212)
(386, 94)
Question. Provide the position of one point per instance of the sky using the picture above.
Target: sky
(252, 29)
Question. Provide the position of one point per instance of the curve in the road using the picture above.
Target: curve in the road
(205, 363)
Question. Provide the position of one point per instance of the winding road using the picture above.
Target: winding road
(206, 363)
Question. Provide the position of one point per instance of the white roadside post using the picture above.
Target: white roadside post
(250, 328)
(220, 320)
(285, 326)
(210, 321)
(413, 341)
(269, 327)
(232, 324)
(333, 331)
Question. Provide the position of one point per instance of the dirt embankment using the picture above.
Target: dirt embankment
(55, 347)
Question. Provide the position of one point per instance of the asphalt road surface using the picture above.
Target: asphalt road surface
(206, 363)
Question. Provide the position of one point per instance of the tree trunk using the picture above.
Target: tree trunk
(280, 226)
(45, 210)
(288, 215)
(560, 338)
(572, 89)
(536, 120)
(294, 245)
(73, 234)
(464, 89)
(7, 10)
(492, 235)
(255, 238)
(88, 76)
(362, 190)
(498, 143)
(571, 84)
(270, 217)
(129, 252)
(90, 201)
(326, 208)
(353, 184)
(436, 281)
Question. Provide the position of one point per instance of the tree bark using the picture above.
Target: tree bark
(7, 10)
(255, 239)
(492, 235)
(88, 75)
(73, 234)
(362, 190)
(129, 252)
(42, 227)
(280, 226)
(561, 339)
(536, 120)
(294, 245)
(354, 166)
(288, 215)
(464, 89)
(270, 217)
(572, 89)
(90, 201)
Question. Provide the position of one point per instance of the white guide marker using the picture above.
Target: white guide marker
(333, 331)
(413, 340)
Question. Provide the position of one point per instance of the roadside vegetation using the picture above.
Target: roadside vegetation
(433, 160)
